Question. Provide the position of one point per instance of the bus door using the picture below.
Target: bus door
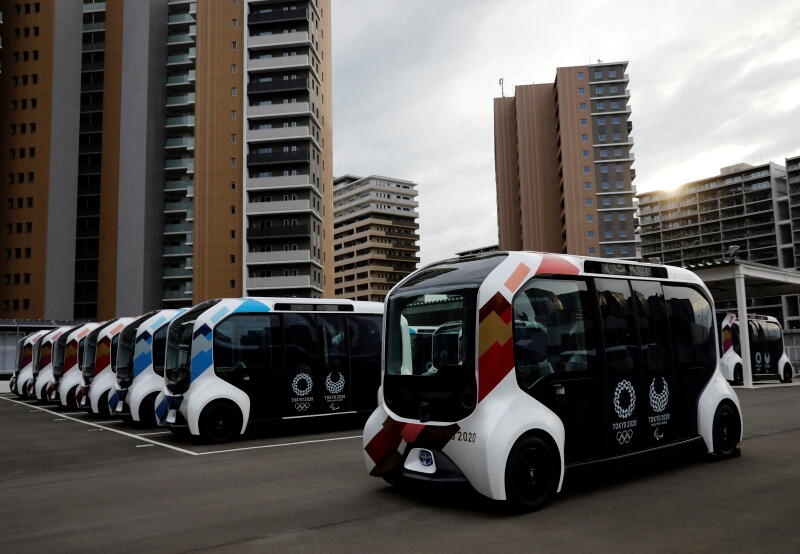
(556, 359)
(655, 358)
(364, 331)
(301, 387)
(247, 354)
(756, 347)
(625, 396)
(335, 378)
(773, 347)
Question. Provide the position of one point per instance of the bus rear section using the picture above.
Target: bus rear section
(140, 366)
(506, 370)
(261, 359)
(768, 358)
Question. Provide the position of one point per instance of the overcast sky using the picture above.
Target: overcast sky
(712, 84)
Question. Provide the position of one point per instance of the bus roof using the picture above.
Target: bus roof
(159, 319)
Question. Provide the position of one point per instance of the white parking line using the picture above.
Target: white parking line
(142, 436)
(98, 426)
(277, 445)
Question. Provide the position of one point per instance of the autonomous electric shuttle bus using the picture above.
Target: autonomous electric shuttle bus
(22, 382)
(49, 356)
(767, 356)
(98, 378)
(140, 355)
(506, 370)
(71, 379)
(233, 361)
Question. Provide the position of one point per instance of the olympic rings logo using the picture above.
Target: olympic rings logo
(625, 437)
(302, 406)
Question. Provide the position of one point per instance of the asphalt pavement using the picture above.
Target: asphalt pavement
(70, 483)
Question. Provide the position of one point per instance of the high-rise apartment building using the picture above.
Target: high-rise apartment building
(793, 182)
(563, 157)
(178, 122)
(375, 235)
(745, 206)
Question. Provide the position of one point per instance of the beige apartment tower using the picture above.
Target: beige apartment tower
(158, 153)
(563, 156)
(375, 235)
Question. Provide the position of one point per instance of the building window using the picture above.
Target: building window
(601, 120)
(601, 137)
(233, 137)
(588, 201)
(615, 120)
(234, 23)
(233, 258)
(620, 184)
(606, 201)
(617, 152)
(598, 90)
(233, 162)
(233, 68)
(621, 200)
(598, 74)
(615, 104)
(587, 185)
(233, 209)
(589, 217)
(616, 136)
(623, 249)
(590, 234)
(603, 152)
(608, 234)
(585, 153)
(233, 114)
(618, 168)
(592, 250)
(584, 138)
(233, 233)
(584, 122)
(233, 45)
(623, 233)
(606, 217)
(233, 91)
(586, 169)
(604, 185)
(609, 249)
(604, 168)
(623, 217)
(600, 106)
(233, 185)
(582, 106)
(613, 89)
(581, 90)
(612, 73)
(581, 75)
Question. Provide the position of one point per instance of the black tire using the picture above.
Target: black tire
(532, 473)
(738, 375)
(147, 410)
(103, 409)
(726, 431)
(220, 421)
(23, 390)
(787, 374)
(72, 403)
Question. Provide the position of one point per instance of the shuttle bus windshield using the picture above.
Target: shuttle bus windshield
(179, 348)
(58, 354)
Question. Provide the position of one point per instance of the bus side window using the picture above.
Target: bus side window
(616, 313)
(553, 330)
(691, 322)
(365, 359)
(651, 309)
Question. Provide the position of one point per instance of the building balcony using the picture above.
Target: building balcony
(278, 39)
(179, 250)
(175, 207)
(180, 121)
(177, 184)
(177, 60)
(277, 232)
(176, 273)
(287, 181)
(179, 142)
(180, 18)
(95, 7)
(180, 164)
(278, 282)
(267, 208)
(181, 99)
(278, 256)
(624, 109)
(185, 78)
(93, 46)
(174, 40)
(277, 85)
(278, 133)
(301, 156)
(279, 110)
(276, 15)
(278, 62)
(177, 228)
(180, 295)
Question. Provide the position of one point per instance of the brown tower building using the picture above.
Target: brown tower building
(375, 240)
(145, 139)
(563, 164)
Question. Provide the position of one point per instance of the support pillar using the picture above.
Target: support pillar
(744, 329)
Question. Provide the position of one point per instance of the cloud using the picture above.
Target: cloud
(712, 84)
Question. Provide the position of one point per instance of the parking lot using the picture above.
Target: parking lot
(73, 483)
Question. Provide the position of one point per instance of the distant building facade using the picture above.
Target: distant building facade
(746, 206)
(375, 235)
(563, 157)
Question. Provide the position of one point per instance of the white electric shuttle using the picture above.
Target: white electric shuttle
(234, 361)
(51, 353)
(140, 367)
(506, 370)
(98, 376)
(70, 379)
(767, 355)
(22, 381)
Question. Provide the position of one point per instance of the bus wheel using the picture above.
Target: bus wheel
(147, 410)
(787, 374)
(103, 409)
(531, 473)
(220, 421)
(72, 404)
(726, 431)
(738, 375)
